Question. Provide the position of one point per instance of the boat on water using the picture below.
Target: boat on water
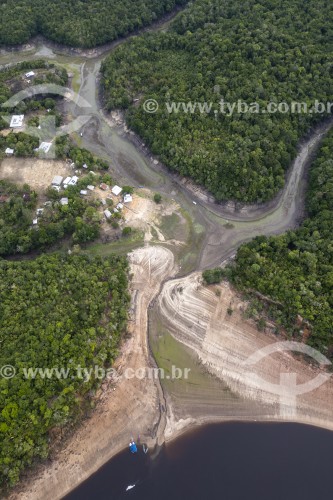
(133, 448)
(130, 487)
(145, 448)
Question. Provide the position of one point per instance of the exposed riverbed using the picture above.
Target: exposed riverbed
(213, 238)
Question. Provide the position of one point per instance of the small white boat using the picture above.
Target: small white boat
(130, 487)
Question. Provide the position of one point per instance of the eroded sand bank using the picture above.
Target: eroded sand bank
(210, 321)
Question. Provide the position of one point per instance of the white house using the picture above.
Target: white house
(45, 146)
(9, 151)
(64, 201)
(128, 198)
(16, 121)
(91, 187)
(29, 74)
(116, 190)
(57, 180)
(66, 181)
(107, 214)
(120, 206)
(73, 181)
(84, 192)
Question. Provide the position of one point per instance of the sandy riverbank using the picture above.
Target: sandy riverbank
(197, 317)
(210, 322)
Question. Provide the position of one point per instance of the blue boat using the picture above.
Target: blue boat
(133, 448)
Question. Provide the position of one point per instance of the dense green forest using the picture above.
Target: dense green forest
(78, 23)
(296, 269)
(256, 51)
(54, 312)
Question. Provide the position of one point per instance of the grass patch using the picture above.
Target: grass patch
(169, 352)
(122, 246)
(173, 227)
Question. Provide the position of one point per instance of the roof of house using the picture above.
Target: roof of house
(9, 151)
(116, 190)
(128, 198)
(45, 146)
(107, 213)
(16, 121)
(57, 180)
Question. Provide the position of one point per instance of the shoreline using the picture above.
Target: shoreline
(208, 421)
(240, 212)
(157, 418)
(89, 53)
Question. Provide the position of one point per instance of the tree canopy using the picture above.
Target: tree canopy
(296, 268)
(78, 23)
(55, 312)
(254, 51)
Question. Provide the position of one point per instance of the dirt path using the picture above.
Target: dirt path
(120, 413)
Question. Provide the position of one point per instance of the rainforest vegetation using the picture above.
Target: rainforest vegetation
(55, 312)
(254, 51)
(295, 269)
(78, 23)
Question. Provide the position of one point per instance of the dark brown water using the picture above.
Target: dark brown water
(236, 461)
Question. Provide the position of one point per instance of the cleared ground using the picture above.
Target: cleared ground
(33, 171)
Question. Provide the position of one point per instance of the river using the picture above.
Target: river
(231, 461)
(132, 165)
(283, 460)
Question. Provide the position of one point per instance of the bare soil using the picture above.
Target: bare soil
(36, 172)
(198, 317)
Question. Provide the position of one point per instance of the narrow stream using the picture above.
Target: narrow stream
(209, 463)
(132, 166)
